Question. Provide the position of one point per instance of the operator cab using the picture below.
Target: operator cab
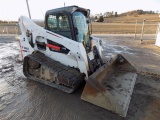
(70, 22)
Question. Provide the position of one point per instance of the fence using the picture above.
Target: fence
(8, 30)
(101, 28)
(119, 28)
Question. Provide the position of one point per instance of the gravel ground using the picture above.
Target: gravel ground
(23, 99)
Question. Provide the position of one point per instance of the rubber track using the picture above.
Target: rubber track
(73, 77)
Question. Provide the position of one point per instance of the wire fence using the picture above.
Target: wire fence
(101, 28)
(8, 30)
(118, 28)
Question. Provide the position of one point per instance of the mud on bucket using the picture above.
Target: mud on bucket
(111, 86)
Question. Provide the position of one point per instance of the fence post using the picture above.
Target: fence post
(135, 30)
(3, 31)
(7, 31)
(15, 30)
(158, 29)
(142, 30)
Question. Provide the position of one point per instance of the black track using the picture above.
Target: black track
(69, 78)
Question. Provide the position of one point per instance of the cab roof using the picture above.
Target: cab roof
(69, 9)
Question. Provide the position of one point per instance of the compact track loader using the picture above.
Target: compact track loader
(63, 55)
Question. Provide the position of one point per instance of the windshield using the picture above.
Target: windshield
(81, 25)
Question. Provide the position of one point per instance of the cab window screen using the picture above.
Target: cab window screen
(59, 24)
(52, 22)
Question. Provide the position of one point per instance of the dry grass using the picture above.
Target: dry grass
(115, 25)
(126, 25)
(115, 28)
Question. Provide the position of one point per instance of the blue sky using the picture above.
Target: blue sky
(13, 9)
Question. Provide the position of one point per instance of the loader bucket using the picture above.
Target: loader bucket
(111, 86)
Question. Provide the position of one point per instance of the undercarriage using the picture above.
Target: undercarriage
(45, 70)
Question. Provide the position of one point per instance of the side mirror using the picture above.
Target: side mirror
(88, 20)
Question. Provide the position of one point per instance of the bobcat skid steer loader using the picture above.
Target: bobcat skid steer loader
(63, 54)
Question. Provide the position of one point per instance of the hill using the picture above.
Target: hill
(150, 19)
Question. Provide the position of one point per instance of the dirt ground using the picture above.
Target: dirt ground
(23, 99)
